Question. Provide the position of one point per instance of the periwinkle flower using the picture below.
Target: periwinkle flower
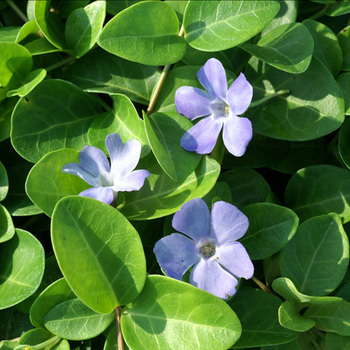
(109, 179)
(221, 108)
(210, 244)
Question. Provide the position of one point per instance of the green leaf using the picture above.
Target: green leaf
(6, 108)
(93, 239)
(56, 114)
(339, 8)
(22, 263)
(54, 294)
(199, 319)
(40, 46)
(164, 132)
(289, 318)
(247, 186)
(13, 323)
(9, 34)
(115, 6)
(134, 34)
(344, 143)
(305, 113)
(343, 38)
(161, 196)
(45, 194)
(334, 317)
(114, 76)
(270, 228)
(317, 257)
(288, 47)
(286, 288)
(4, 182)
(73, 320)
(28, 28)
(15, 63)
(258, 312)
(335, 341)
(344, 83)
(327, 49)
(124, 120)
(220, 25)
(319, 189)
(35, 337)
(7, 230)
(84, 26)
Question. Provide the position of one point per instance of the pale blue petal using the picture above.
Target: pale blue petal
(192, 102)
(235, 259)
(239, 95)
(213, 78)
(124, 157)
(94, 160)
(208, 275)
(76, 169)
(237, 134)
(102, 194)
(193, 219)
(228, 223)
(202, 137)
(132, 182)
(175, 254)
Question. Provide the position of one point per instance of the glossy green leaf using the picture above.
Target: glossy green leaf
(247, 186)
(15, 63)
(258, 312)
(221, 191)
(219, 25)
(289, 318)
(40, 46)
(199, 319)
(161, 196)
(9, 34)
(39, 335)
(73, 320)
(6, 108)
(54, 294)
(124, 120)
(286, 288)
(344, 83)
(164, 132)
(327, 49)
(317, 257)
(115, 6)
(7, 230)
(343, 144)
(319, 189)
(46, 183)
(270, 228)
(56, 114)
(335, 341)
(21, 268)
(99, 252)
(28, 28)
(13, 323)
(114, 76)
(339, 8)
(84, 26)
(134, 35)
(4, 182)
(288, 47)
(305, 113)
(334, 317)
(343, 38)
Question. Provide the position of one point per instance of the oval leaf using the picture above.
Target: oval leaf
(4, 182)
(7, 230)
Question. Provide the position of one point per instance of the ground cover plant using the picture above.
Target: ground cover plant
(174, 174)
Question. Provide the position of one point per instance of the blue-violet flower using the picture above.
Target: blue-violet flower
(210, 245)
(107, 180)
(221, 108)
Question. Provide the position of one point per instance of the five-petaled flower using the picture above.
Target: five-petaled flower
(107, 180)
(210, 245)
(222, 108)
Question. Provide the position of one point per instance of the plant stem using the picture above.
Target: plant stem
(269, 97)
(18, 11)
(161, 82)
(119, 331)
(320, 13)
(60, 63)
(262, 285)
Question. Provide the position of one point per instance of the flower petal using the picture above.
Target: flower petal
(237, 134)
(228, 223)
(124, 157)
(239, 95)
(235, 259)
(132, 182)
(202, 137)
(208, 275)
(175, 254)
(192, 102)
(213, 78)
(76, 169)
(94, 160)
(102, 194)
(193, 219)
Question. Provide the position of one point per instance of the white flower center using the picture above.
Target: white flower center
(219, 109)
(106, 180)
(207, 249)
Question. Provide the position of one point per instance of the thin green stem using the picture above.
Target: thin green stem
(320, 13)
(119, 330)
(262, 286)
(60, 63)
(18, 11)
(269, 97)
